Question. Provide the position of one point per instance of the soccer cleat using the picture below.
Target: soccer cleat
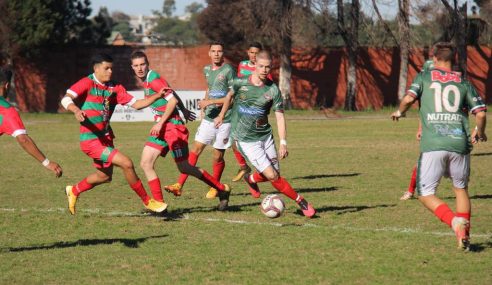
(407, 195)
(212, 193)
(253, 187)
(156, 206)
(72, 199)
(461, 228)
(307, 209)
(240, 173)
(224, 198)
(175, 189)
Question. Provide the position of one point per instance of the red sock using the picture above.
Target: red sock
(140, 190)
(155, 189)
(444, 213)
(211, 181)
(192, 159)
(240, 158)
(284, 187)
(82, 186)
(257, 177)
(464, 215)
(413, 181)
(218, 169)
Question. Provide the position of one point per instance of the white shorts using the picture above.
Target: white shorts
(433, 165)
(208, 134)
(261, 154)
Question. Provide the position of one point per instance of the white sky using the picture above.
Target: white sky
(139, 7)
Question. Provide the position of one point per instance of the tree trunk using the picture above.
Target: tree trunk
(352, 48)
(285, 72)
(404, 27)
(460, 35)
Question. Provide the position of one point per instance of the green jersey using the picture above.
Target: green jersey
(251, 107)
(445, 99)
(219, 83)
(428, 65)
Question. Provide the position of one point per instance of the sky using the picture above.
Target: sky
(139, 7)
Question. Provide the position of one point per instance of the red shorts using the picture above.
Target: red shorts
(172, 137)
(10, 122)
(100, 150)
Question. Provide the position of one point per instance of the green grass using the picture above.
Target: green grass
(353, 170)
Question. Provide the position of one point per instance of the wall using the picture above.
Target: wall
(318, 75)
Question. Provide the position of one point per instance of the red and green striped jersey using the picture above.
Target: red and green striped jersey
(219, 83)
(98, 101)
(154, 83)
(251, 107)
(445, 98)
(10, 121)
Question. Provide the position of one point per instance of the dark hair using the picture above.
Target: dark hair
(216, 43)
(444, 51)
(139, 54)
(255, 45)
(5, 75)
(100, 57)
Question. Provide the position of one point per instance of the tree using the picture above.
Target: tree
(404, 43)
(168, 8)
(349, 33)
(102, 26)
(194, 8)
(459, 31)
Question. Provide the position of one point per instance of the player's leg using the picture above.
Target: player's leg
(126, 165)
(241, 161)
(102, 175)
(252, 179)
(147, 162)
(221, 143)
(459, 170)
(411, 187)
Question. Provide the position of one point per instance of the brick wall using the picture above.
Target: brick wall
(318, 76)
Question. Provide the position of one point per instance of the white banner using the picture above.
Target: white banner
(126, 114)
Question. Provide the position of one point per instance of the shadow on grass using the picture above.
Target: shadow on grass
(481, 197)
(128, 242)
(300, 190)
(482, 154)
(311, 177)
(178, 214)
(350, 209)
(479, 247)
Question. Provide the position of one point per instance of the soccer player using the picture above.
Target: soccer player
(253, 98)
(445, 143)
(169, 133)
(11, 124)
(97, 95)
(215, 127)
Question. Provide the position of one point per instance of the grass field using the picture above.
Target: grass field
(353, 170)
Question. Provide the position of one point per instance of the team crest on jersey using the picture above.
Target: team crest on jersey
(242, 96)
(226, 140)
(221, 77)
(267, 96)
(446, 77)
(106, 152)
(243, 88)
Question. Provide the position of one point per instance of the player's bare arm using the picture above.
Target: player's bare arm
(69, 105)
(478, 134)
(282, 134)
(171, 105)
(226, 105)
(405, 104)
(189, 115)
(31, 148)
(147, 101)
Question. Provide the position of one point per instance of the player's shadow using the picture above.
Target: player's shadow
(178, 214)
(479, 247)
(128, 242)
(340, 210)
(482, 154)
(481, 197)
(299, 190)
(317, 176)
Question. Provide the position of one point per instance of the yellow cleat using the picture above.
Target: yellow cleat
(156, 206)
(212, 193)
(240, 173)
(175, 189)
(72, 199)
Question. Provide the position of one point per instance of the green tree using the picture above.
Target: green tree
(168, 8)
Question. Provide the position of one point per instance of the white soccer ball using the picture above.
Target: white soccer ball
(272, 206)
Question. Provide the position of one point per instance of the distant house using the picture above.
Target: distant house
(116, 39)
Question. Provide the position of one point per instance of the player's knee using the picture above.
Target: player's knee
(184, 167)
(145, 165)
(104, 178)
(273, 176)
(127, 164)
(22, 139)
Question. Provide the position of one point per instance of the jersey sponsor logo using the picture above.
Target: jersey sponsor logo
(442, 117)
(447, 131)
(217, 93)
(250, 111)
(446, 77)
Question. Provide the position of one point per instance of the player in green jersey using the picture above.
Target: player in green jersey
(445, 144)
(253, 98)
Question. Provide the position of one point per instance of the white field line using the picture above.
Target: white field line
(242, 222)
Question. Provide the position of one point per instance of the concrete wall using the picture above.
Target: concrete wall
(318, 75)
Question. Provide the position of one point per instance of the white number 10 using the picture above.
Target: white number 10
(441, 97)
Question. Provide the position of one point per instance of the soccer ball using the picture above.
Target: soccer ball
(272, 206)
